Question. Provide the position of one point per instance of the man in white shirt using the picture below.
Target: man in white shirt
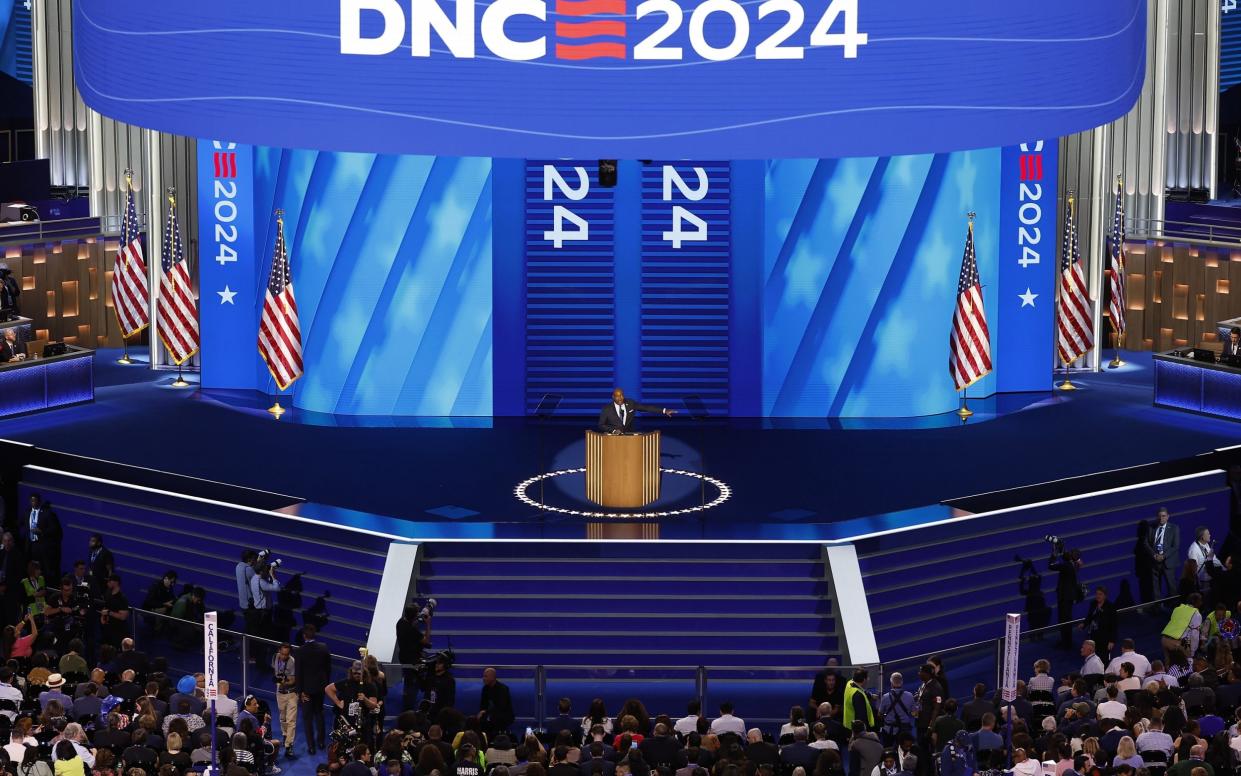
(224, 705)
(1158, 674)
(727, 723)
(9, 693)
(1128, 654)
(1112, 708)
(689, 723)
(1092, 666)
(1202, 553)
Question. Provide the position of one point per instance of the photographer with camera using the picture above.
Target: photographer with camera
(1066, 563)
(284, 666)
(413, 636)
(66, 612)
(355, 700)
(10, 290)
(263, 590)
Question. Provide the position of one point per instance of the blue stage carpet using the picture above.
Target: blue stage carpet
(790, 479)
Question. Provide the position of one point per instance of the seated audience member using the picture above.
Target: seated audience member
(727, 722)
(67, 761)
(597, 715)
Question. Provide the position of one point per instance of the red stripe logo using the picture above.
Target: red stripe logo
(579, 25)
(1031, 167)
(225, 164)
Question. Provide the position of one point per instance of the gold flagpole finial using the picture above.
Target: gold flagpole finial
(1120, 182)
(280, 215)
(971, 216)
(129, 177)
(172, 195)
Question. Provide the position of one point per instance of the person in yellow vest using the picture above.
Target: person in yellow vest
(857, 704)
(1210, 628)
(1184, 628)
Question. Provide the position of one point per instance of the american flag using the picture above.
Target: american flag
(970, 343)
(178, 310)
(130, 295)
(1116, 268)
(280, 334)
(1074, 330)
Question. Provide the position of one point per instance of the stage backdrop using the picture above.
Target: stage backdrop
(391, 260)
(440, 286)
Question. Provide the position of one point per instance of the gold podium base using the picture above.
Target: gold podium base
(622, 470)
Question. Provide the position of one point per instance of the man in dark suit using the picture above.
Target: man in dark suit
(41, 534)
(12, 569)
(314, 671)
(10, 348)
(101, 564)
(617, 417)
(1100, 623)
(1232, 348)
(1162, 547)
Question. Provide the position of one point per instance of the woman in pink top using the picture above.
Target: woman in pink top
(14, 644)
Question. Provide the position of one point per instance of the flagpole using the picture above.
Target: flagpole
(180, 381)
(1067, 385)
(1119, 334)
(275, 409)
(965, 411)
(125, 359)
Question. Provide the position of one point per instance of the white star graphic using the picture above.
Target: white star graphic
(1027, 299)
(226, 296)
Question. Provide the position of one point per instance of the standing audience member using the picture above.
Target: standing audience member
(314, 663)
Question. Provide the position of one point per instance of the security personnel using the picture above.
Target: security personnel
(857, 704)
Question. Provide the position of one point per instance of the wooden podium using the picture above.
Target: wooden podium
(622, 470)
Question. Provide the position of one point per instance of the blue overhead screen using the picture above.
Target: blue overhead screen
(714, 79)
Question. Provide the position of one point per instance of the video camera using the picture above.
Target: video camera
(426, 666)
(265, 558)
(427, 610)
(1057, 544)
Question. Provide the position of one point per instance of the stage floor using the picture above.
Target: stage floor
(790, 479)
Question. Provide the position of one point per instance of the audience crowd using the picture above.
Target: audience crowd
(78, 697)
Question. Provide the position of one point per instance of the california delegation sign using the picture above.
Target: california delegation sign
(721, 79)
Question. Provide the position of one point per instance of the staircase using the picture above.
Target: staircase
(634, 610)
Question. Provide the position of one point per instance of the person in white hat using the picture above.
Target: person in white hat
(55, 692)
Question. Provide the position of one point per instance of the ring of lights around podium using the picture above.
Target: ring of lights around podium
(724, 493)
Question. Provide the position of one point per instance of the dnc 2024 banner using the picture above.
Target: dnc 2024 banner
(729, 79)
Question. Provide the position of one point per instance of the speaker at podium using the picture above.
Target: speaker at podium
(622, 470)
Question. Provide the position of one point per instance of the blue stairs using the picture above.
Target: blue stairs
(642, 604)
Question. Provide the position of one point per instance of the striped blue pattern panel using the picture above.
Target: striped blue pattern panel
(685, 288)
(150, 531)
(570, 290)
(391, 259)
(941, 586)
(23, 46)
(1230, 49)
(861, 258)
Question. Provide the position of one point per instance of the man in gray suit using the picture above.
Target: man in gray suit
(1162, 546)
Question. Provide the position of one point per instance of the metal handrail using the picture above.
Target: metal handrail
(1187, 231)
